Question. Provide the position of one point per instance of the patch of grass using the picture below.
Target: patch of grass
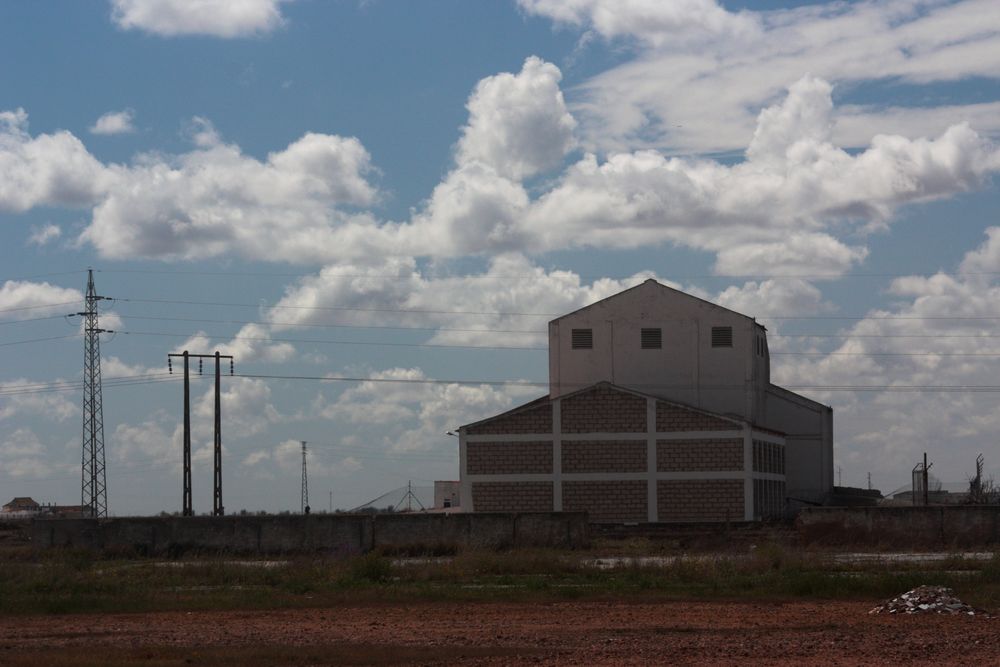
(69, 582)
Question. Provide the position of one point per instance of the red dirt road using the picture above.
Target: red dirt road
(561, 633)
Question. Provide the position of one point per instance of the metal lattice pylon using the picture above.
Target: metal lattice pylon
(94, 490)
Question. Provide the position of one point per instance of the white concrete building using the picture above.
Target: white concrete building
(652, 351)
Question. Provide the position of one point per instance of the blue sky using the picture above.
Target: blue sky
(390, 191)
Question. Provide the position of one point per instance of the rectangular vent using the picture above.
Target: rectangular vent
(651, 339)
(583, 339)
(722, 336)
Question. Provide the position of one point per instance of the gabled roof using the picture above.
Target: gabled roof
(661, 399)
(651, 283)
(538, 402)
(545, 400)
(22, 501)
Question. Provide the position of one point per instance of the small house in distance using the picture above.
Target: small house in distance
(660, 408)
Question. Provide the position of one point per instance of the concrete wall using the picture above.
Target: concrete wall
(808, 429)
(338, 534)
(914, 527)
(686, 368)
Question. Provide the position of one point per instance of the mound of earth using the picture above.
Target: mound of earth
(927, 600)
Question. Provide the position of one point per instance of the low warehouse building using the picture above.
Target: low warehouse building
(660, 408)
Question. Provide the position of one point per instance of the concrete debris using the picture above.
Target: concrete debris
(927, 600)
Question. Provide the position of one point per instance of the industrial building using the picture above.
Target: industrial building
(660, 408)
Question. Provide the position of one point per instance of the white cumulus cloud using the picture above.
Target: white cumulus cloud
(22, 299)
(114, 122)
(45, 170)
(215, 18)
(518, 123)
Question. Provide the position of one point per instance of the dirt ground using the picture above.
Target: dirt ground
(504, 633)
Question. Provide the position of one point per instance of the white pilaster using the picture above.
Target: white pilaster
(747, 473)
(652, 511)
(557, 504)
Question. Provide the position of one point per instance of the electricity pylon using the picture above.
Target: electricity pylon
(93, 487)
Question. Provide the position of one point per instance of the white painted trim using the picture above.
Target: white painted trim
(513, 437)
(557, 499)
(774, 477)
(669, 435)
(539, 477)
(604, 436)
(652, 508)
(768, 437)
(464, 486)
(612, 476)
(700, 435)
(748, 508)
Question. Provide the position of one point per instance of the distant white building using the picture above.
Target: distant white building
(660, 407)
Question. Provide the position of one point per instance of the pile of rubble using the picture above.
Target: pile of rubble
(927, 600)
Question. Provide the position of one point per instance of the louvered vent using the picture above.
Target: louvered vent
(583, 339)
(652, 339)
(722, 336)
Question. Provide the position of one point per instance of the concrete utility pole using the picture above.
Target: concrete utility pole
(217, 508)
(305, 481)
(93, 485)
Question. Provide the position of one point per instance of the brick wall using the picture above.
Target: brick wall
(603, 410)
(530, 420)
(673, 418)
(512, 496)
(718, 454)
(604, 455)
(508, 458)
(700, 500)
(607, 502)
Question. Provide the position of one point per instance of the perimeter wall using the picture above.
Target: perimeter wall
(336, 534)
(915, 527)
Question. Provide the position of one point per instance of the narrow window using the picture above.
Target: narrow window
(722, 336)
(651, 339)
(583, 339)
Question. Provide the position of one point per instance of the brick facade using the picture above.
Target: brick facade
(509, 458)
(607, 502)
(603, 409)
(529, 420)
(603, 455)
(512, 496)
(690, 455)
(700, 500)
(590, 470)
(675, 418)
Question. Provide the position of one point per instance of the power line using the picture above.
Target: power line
(125, 381)
(34, 319)
(268, 339)
(40, 340)
(329, 325)
(46, 305)
(419, 311)
(549, 272)
(336, 308)
(47, 275)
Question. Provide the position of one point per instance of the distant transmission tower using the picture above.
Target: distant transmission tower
(305, 481)
(94, 490)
